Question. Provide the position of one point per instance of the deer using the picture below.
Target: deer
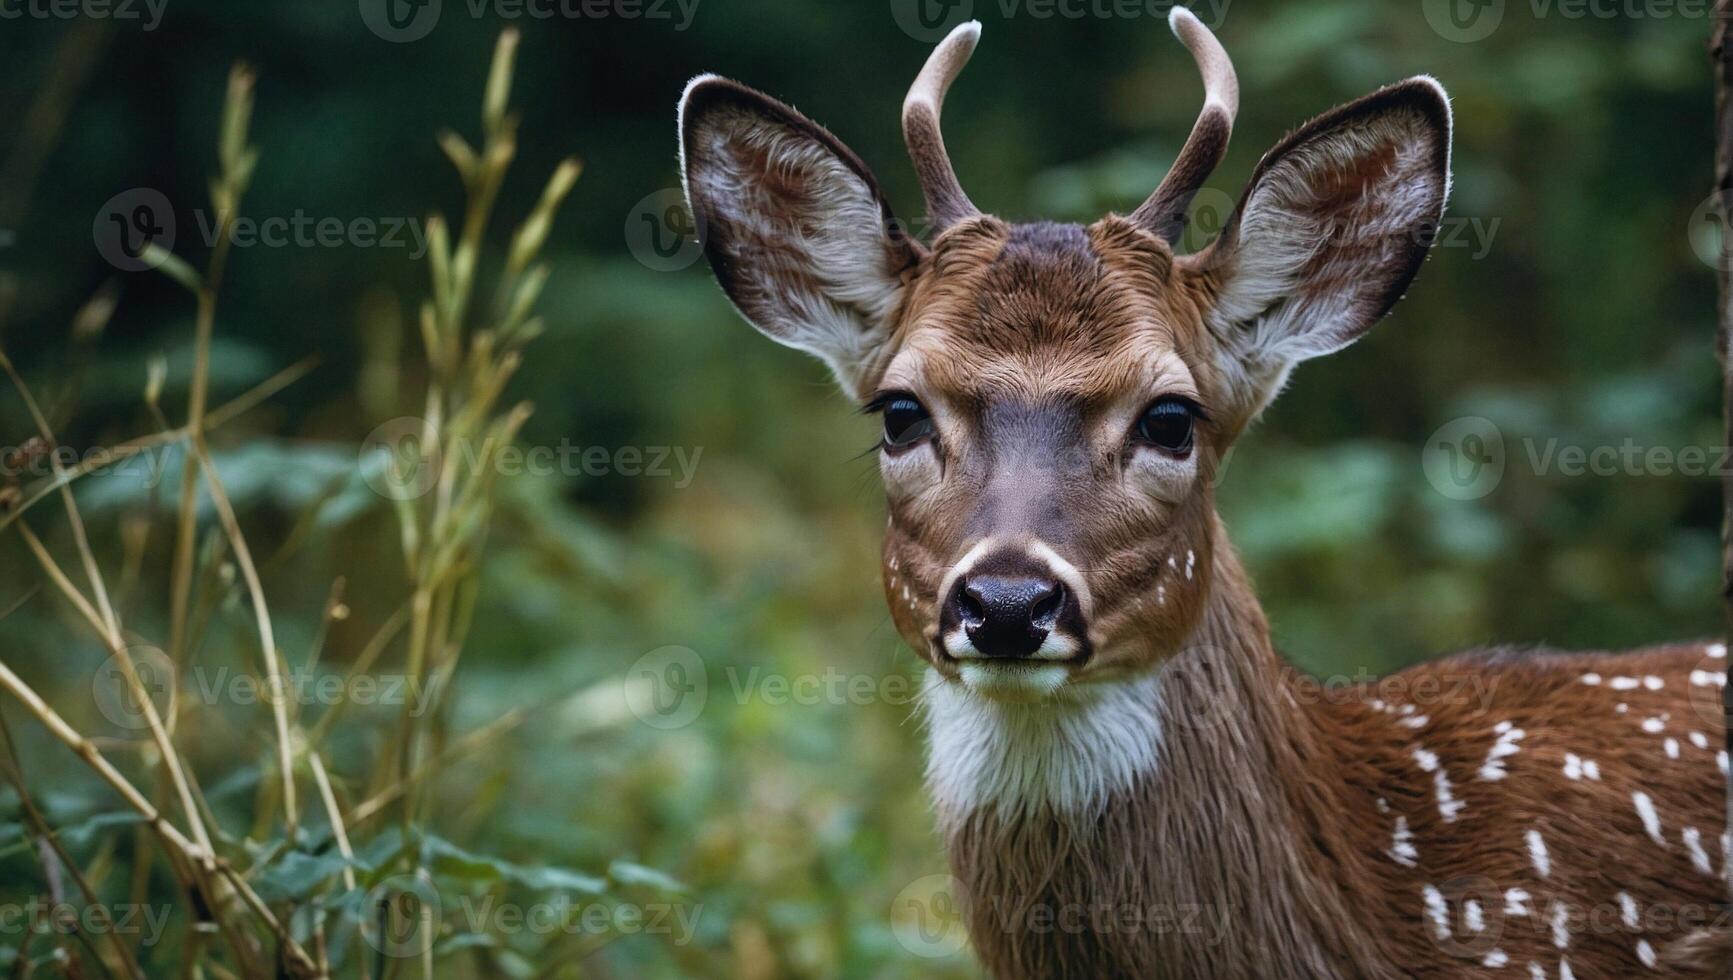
(1129, 779)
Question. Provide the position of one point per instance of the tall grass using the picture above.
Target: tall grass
(336, 873)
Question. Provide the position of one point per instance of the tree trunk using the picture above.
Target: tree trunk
(1722, 53)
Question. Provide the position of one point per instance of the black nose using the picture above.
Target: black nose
(1007, 616)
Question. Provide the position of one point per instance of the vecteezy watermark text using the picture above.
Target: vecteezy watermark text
(148, 13)
(412, 464)
(1466, 21)
(1466, 458)
(133, 220)
(930, 20)
(402, 21)
(147, 922)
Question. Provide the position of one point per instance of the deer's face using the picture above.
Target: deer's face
(1057, 399)
(1052, 417)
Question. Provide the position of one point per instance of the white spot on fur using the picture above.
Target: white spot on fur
(1535, 972)
(1621, 708)
(1694, 846)
(1646, 953)
(1402, 849)
(1624, 683)
(1448, 805)
(1437, 912)
(1070, 752)
(1708, 678)
(1515, 899)
(1564, 970)
(1651, 819)
(1721, 760)
(1561, 925)
(1671, 747)
(1190, 563)
(1576, 767)
(1591, 678)
(1537, 854)
(1471, 917)
(1493, 769)
(1417, 722)
(1627, 909)
(1495, 959)
(1653, 683)
(1717, 650)
(1654, 726)
(1699, 739)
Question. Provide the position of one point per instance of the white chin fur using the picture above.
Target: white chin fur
(1066, 750)
(1014, 681)
(1055, 647)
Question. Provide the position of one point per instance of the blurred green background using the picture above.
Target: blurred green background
(1567, 304)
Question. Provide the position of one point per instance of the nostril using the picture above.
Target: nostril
(1045, 612)
(969, 610)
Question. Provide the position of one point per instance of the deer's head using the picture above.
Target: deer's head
(1057, 398)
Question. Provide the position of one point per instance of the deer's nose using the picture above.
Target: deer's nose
(1007, 616)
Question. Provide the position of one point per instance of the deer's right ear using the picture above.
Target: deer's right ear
(1332, 228)
(794, 226)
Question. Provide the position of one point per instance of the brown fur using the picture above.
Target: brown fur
(1283, 869)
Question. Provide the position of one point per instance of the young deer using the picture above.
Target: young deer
(1131, 781)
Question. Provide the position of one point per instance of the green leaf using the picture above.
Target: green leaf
(627, 873)
(452, 861)
(297, 875)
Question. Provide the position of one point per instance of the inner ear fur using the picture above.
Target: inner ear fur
(1331, 228)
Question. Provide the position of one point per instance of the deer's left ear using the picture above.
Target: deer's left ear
(1331, 229)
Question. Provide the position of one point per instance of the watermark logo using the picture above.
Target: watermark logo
(1463, 21)
(1209, 214)
(667, 687)
(131, 221)
(401, 916)
(121, 702)
(662, 233)
(930, 20)
(408, 462)
(400, 21)
(1708, 236)
(1707, 680)
(1464, 459)
(927, 917)
(1465, 916)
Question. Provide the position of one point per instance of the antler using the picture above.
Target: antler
(1164, 212)
(946, 202)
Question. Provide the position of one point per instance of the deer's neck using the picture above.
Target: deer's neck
(1192, 817)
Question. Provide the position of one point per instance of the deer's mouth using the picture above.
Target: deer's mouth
(1015, 681)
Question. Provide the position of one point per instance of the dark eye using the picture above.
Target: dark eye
(906, 422)
(1167, 425)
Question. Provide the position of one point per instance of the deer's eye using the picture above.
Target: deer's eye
(1167, 425)
(906, 422)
